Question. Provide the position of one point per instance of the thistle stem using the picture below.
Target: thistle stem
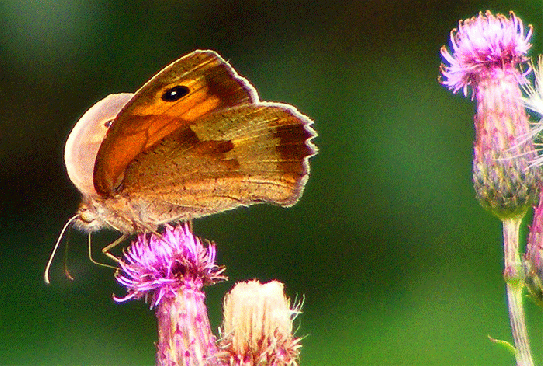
(184, 333)
(515, 287)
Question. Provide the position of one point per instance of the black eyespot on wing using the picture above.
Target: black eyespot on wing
(175, 93)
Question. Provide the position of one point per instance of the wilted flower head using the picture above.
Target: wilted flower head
(257, 326)
(488, 54)
(159, 266)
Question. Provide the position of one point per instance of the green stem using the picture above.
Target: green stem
(515, 287)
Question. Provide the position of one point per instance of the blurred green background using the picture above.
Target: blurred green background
(395, 260)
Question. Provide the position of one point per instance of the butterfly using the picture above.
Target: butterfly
(193, 141)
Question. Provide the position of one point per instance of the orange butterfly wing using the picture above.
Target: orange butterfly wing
(242, 155)
(189, 88)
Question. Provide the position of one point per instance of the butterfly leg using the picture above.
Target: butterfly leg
(106, 249)
(92, 259)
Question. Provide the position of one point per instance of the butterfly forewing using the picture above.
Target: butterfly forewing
(185, 91)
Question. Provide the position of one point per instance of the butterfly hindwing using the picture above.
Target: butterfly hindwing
(238, 156)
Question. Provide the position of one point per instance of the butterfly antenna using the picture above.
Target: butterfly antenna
(66, 269)
(52, 256)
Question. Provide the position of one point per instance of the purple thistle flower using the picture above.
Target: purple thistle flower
(170, 270)
(488, 53)
(159, 266)
(483, 47)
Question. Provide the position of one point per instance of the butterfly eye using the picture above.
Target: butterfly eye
(108, 123)
(175, 93)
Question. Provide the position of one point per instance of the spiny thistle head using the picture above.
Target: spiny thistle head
(483, 47)
(488, 54)
(159, 266)
(170, 270)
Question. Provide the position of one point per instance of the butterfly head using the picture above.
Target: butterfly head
(88, 218)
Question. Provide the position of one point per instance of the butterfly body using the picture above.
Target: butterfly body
(193, 141)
